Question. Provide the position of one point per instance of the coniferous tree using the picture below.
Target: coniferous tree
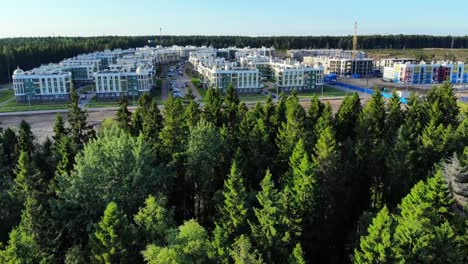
(457, 178)
(28, 179)
(255, 150)
(173, 135)
(66, 151)
(445, 97)
(346, 118)
(404, 169)
(25, 139)
(192, 109)
(112, 240)
(393, 120)
(80, 132)
(138, 115)
(297, 255)
(232, 214)
(123, 116)
(152, 123)
(290, 131)
(424, 233)
(59, 129)
(371, 148)
(265, 230)
(212, 111)
(9, 142)
(377, 245)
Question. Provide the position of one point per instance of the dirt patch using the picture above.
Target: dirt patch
(42, 124)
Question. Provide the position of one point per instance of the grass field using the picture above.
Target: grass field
(429, 54)
(6, 95)
(13, 107)
(95, 104)
(202, 92)
(327, 92)
(254, 97)
(87, 88)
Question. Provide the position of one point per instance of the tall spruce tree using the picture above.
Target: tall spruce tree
(80, 132)
(212, 111)
(371, 148)
(265, 230)
(232, 220)
(290, 131)
(113, 238)
(123, 116)
(297, 255)
(424, 232)
(25, 139)
(377, 246)
(346, 118)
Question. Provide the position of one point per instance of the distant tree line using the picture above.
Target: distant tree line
(222, 183)
(32, 52)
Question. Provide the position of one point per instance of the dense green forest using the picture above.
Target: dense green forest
(277, 183)
(32, 52)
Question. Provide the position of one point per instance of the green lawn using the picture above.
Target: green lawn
(93, 103)
(6, 94)
(202, 92)
(87, 88)
(96, 104)
(327, 92)
(195, 81)
(13, 107)
(253, 97)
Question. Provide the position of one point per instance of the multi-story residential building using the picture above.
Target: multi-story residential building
(343, 67)
(331, 53)
(263, 51)
(288, 75)
(389, 62)
(82, 70)
(427, 73)
(44, 84)
(114, 84)
(291, 76)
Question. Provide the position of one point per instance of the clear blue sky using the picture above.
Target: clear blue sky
(239, 17)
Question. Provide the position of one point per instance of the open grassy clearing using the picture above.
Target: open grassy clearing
(6, 95)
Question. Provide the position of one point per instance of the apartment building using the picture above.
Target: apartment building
(81, 68)
(427, 73)
(292, 75)
(111, 85)
(246, 74)
(331, 53)
(44, 84)
(389, 62)
(343, 67)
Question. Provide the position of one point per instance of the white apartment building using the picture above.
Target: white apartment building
(44, 84)
(343, 67)
(82, 69)
(331, 53)
(113, 84)
(290, 75)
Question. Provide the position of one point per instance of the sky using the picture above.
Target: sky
(28, 18)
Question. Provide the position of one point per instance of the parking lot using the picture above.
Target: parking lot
(178, 81)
